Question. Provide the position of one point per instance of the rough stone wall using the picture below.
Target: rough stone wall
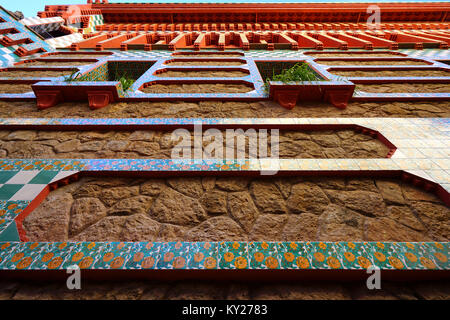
(59, 64)
(371, 63)
(26, 74)
(393, 73)
(159, 144)
(198, 88)
(15, 88)
(405, 88)
(233, 290)
(236, 208)
(324, 54)
(204, 63)
(217, 109)
(203, 74)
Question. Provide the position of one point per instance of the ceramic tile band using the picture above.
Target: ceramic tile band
(224, 255)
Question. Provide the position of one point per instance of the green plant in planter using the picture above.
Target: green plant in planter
(126, 82)
(357, 90)
(74, 76)
(300, 72)
(124, 79)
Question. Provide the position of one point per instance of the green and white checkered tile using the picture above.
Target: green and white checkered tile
(23, 185)
(26, 185)
(9, 210)
(17, 190)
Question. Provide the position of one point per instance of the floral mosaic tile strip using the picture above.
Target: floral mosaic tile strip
(224, 255)
(9, 210)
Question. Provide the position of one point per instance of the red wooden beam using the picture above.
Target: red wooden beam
(377, 41)
(89, 43)
(353, 42)
(114, 42)
(329, 41)
(306, 41)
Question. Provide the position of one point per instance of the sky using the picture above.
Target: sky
(31, 7)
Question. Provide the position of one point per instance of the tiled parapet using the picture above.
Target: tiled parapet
(420, 143)
(290, 206)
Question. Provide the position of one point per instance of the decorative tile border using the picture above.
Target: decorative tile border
(9, 211)
(224, 255)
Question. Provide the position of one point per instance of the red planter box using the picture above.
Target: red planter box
(288, 94)
(98, 96)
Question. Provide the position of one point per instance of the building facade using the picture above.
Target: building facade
(328, 124)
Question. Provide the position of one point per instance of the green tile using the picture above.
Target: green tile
(6, 175)
(8, 190)
(43, 177)
(10, 233)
